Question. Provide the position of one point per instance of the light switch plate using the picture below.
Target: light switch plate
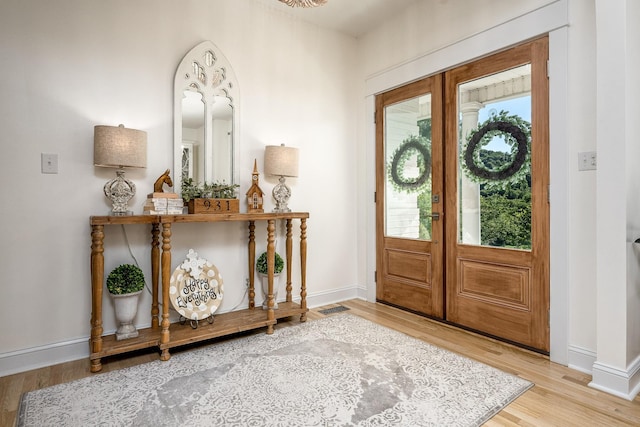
(49, 163)
(587, 161)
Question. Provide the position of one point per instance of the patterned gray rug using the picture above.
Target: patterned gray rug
(338, 371)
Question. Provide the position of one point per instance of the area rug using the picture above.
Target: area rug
(338, 371)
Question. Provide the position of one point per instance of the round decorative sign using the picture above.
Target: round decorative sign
(195, 288)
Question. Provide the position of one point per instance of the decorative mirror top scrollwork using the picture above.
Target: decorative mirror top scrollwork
(205, 118)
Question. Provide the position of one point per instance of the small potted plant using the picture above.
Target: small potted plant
(125, 283)
(261, 267)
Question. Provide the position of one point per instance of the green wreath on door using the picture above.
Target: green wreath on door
(413, 145)
(517, 134)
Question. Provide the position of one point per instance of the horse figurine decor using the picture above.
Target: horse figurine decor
(163, 203)
(163, 179)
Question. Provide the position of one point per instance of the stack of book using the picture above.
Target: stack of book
(163, 204)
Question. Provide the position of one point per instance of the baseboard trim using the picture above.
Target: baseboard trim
(581, 359)
(67, 351)
(615, 381)
(333, 296)
(43, 356)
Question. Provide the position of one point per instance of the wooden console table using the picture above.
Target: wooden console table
(165, 335)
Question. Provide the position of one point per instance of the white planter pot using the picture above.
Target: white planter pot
(126, 307)
(265, 289)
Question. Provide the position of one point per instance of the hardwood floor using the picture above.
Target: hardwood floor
(560, 397)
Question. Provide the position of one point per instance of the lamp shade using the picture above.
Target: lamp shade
(119, 147)
(280, 160)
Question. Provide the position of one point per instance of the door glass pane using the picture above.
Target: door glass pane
(407, 153)
(494, 161)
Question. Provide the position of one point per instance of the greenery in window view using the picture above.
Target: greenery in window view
(505, 219)
(424, 198)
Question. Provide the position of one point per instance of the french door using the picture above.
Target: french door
(462, 196)
(409, 195)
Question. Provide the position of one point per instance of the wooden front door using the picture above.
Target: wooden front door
(497, 184)
(410, 232)
(484, 264)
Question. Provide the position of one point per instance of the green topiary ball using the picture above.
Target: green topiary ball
(125, 279)
(261, 263)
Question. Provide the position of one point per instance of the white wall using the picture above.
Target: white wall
(429, 26)
(617, 368)
(581, 136)
(632, 111)
(72, 64)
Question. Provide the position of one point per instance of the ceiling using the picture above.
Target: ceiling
(352, 17)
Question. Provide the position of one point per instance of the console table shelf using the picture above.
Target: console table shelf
(164, 335)
(147, 337)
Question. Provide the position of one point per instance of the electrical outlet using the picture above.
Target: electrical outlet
(587, 161)
(49, 163)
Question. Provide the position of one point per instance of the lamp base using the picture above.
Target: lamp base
(281, 193)
(120, 190)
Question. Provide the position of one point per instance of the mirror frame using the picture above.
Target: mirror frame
(219, 80)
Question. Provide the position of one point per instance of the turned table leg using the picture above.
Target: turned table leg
(166, 276)
(252, 263)
(289, 245)
(303, 269)
(97, 276)
(155, 257)
(271, 249)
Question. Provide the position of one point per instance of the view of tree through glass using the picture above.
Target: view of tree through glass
(494, 162)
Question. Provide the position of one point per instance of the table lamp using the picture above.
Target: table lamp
(119, 147)
(281, 161)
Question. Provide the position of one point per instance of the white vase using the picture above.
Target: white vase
(126, 307)
(265, 290)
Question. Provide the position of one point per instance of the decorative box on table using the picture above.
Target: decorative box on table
(213, 206)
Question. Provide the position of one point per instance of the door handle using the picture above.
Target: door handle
(435, 216)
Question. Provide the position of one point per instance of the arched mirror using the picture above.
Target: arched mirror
(205, 118)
